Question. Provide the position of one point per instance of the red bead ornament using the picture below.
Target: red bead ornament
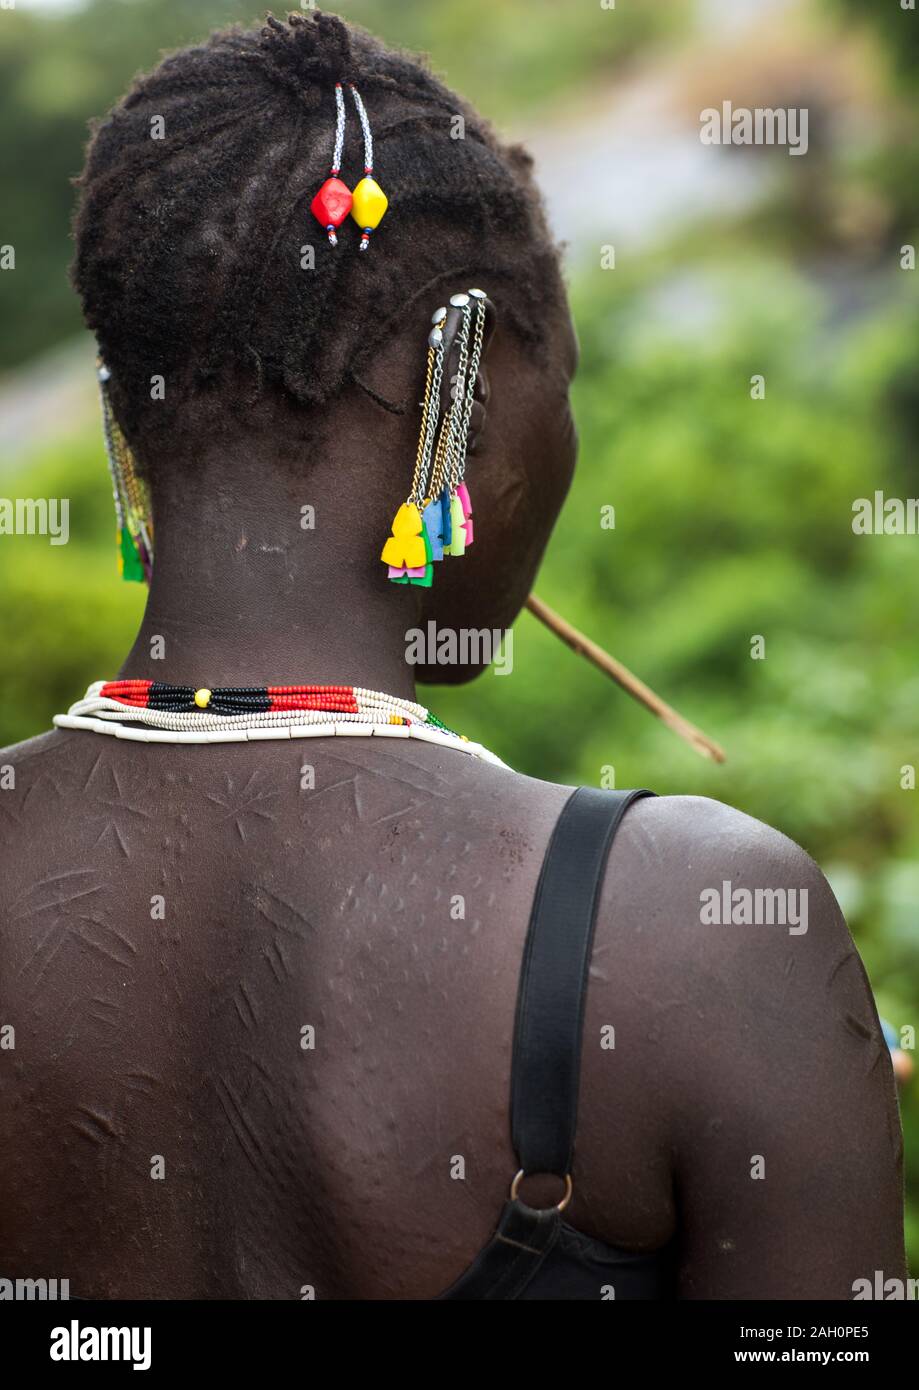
(331, 205)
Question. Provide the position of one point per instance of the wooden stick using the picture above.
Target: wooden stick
(623, 677)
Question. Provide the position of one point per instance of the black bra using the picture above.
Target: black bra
(534, 1253)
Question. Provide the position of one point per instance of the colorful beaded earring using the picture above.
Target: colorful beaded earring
(448, 482)
(132, 501)
(436, 518)
(334, 200)
(409, 553)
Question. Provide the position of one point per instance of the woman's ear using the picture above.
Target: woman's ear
(451, 368)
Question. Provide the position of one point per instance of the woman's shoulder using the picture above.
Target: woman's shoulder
(736, 961)
(724, 887)
(748, 1046)
(701, 834)
(696, 883)
(694, 838)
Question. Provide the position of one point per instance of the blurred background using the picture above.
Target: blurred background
(692, 268)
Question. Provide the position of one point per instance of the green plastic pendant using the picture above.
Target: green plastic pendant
(424, 580)
(128, 558)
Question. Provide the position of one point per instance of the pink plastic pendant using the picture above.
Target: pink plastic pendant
(462, 493)
(406, 572)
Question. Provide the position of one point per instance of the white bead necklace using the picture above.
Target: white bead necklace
(378, 715)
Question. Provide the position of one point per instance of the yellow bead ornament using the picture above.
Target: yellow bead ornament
(202, 697)
(368, 207)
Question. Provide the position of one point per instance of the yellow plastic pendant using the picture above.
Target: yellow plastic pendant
(370, 203)
(405, 547)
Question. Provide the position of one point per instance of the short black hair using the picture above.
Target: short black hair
(188, 247)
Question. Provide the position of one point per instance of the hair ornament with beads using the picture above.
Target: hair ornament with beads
(334, 200)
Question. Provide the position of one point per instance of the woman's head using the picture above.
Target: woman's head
(199, 262)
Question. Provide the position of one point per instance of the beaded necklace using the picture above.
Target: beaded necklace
(154, 712)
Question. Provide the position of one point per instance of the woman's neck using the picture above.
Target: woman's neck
(245, 593)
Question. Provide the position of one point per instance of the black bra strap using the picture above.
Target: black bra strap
(553, 980)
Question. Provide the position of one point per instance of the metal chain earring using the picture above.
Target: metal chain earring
(436, 518)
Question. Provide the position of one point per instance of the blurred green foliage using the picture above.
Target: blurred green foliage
(733, 515)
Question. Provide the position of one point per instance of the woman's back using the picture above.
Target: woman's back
(264, 995)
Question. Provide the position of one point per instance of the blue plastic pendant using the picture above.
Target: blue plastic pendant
(433, 523)
(446, 525)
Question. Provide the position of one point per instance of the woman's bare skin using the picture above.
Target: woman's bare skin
(172, 918)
